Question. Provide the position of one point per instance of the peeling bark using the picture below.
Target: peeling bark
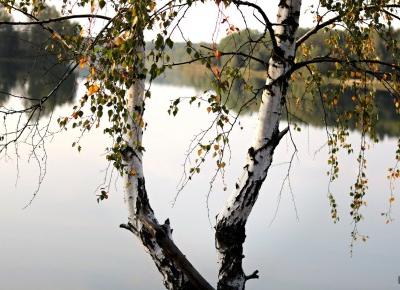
(231, 221)
(177, 272)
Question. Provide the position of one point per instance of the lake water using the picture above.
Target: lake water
(66, 241)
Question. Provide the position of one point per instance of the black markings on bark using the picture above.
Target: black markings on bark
(283, 101)
(277, 55)
(283, 4)
(269, 89)
(251, 152)
(142, 201)
(128, 153)
(172, 277)
(282, 37)
(290, 21)
(230, 240)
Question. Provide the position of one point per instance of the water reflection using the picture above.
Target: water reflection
(65, 240)
(309, 110)
(26, 68)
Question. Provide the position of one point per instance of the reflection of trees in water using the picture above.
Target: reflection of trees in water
(26, 67)
(309, 110)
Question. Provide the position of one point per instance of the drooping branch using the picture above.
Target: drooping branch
(36, 107)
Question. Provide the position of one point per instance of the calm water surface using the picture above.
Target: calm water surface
(66, 241)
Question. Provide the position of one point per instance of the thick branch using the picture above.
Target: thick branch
(57, 19)
(328, 59)
(161, 235)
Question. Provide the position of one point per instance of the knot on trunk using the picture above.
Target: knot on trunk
(128, 153)
(230, 236)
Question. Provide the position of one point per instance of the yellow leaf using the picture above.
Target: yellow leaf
(391, 199)
(92, 6)
(55, 35)
(133, 172)
(118, 40)
(93, 89)
(199, 151)
(139, 120)
(217, 54)
(82, 62)
(134, 21)
(152, 5)
(141, 123)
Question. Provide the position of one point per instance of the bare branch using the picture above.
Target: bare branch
(52, 20)
(268, 23)
(317, 28)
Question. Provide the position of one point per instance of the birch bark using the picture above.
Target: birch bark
(231, 221)
(177, 271)
(136, 199)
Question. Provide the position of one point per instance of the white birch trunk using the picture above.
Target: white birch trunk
(142, 220)
(177, 272)
(231, 221)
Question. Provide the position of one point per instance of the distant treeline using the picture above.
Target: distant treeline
(239, 42)
(310, 109)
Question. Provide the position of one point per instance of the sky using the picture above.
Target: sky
(199, 24)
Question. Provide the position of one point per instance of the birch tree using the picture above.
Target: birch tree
(118, 65)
